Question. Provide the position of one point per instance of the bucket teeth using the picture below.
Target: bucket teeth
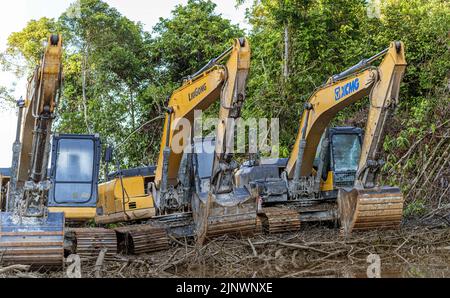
(365, 209)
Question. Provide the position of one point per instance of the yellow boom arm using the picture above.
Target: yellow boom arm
(42, 92)
(382, 84)
(197, 93)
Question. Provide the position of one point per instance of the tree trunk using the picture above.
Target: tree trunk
(132, 110)
(286, 51)
(84, 71)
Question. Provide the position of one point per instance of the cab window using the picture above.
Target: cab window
(346, 152)
(74, 170)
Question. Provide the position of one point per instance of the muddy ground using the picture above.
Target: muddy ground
(416, 250)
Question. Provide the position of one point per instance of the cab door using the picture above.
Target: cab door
(74, 170)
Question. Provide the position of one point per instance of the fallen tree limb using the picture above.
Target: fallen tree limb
(15, 267)
(255, 253)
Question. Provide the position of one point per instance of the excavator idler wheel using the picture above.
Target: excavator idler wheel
(374, 208)
(279, 220)
(90, 241)
(142, 239)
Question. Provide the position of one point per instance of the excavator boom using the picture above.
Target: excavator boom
(227, 209)
(29, 234)
(368, 205)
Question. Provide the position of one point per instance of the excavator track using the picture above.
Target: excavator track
(32, 241)
(90, 241)
(259, 228)
(279, 220)
(365, 209)
(142, 239)
(236, 225)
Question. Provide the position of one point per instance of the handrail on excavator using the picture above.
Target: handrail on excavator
(362, 64)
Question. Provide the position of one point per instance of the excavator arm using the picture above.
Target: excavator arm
(383, 100)
(42, 93)
(38, 114)
(214, 81)
(381, 83)
(232, 100)
(222, 209)
(29, 234)
(227, 209)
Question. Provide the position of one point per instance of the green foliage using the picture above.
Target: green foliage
(190, 38)
(109, 55)
(415, 208)
(91, 223)
(25, 48)
(111, 226)
(6, 99)
(324, 38)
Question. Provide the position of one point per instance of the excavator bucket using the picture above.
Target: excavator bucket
(374, 208)
(32, 240)
(231, 213)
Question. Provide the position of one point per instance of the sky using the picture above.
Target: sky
(15, 15)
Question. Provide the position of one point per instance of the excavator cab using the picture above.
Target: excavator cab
(340, 159)
(74, 174)
(345, 150)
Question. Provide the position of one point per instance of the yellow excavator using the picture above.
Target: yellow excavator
(29, 233)
(36, 202)
(218, 206)
(168, 194)
(338, 181)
